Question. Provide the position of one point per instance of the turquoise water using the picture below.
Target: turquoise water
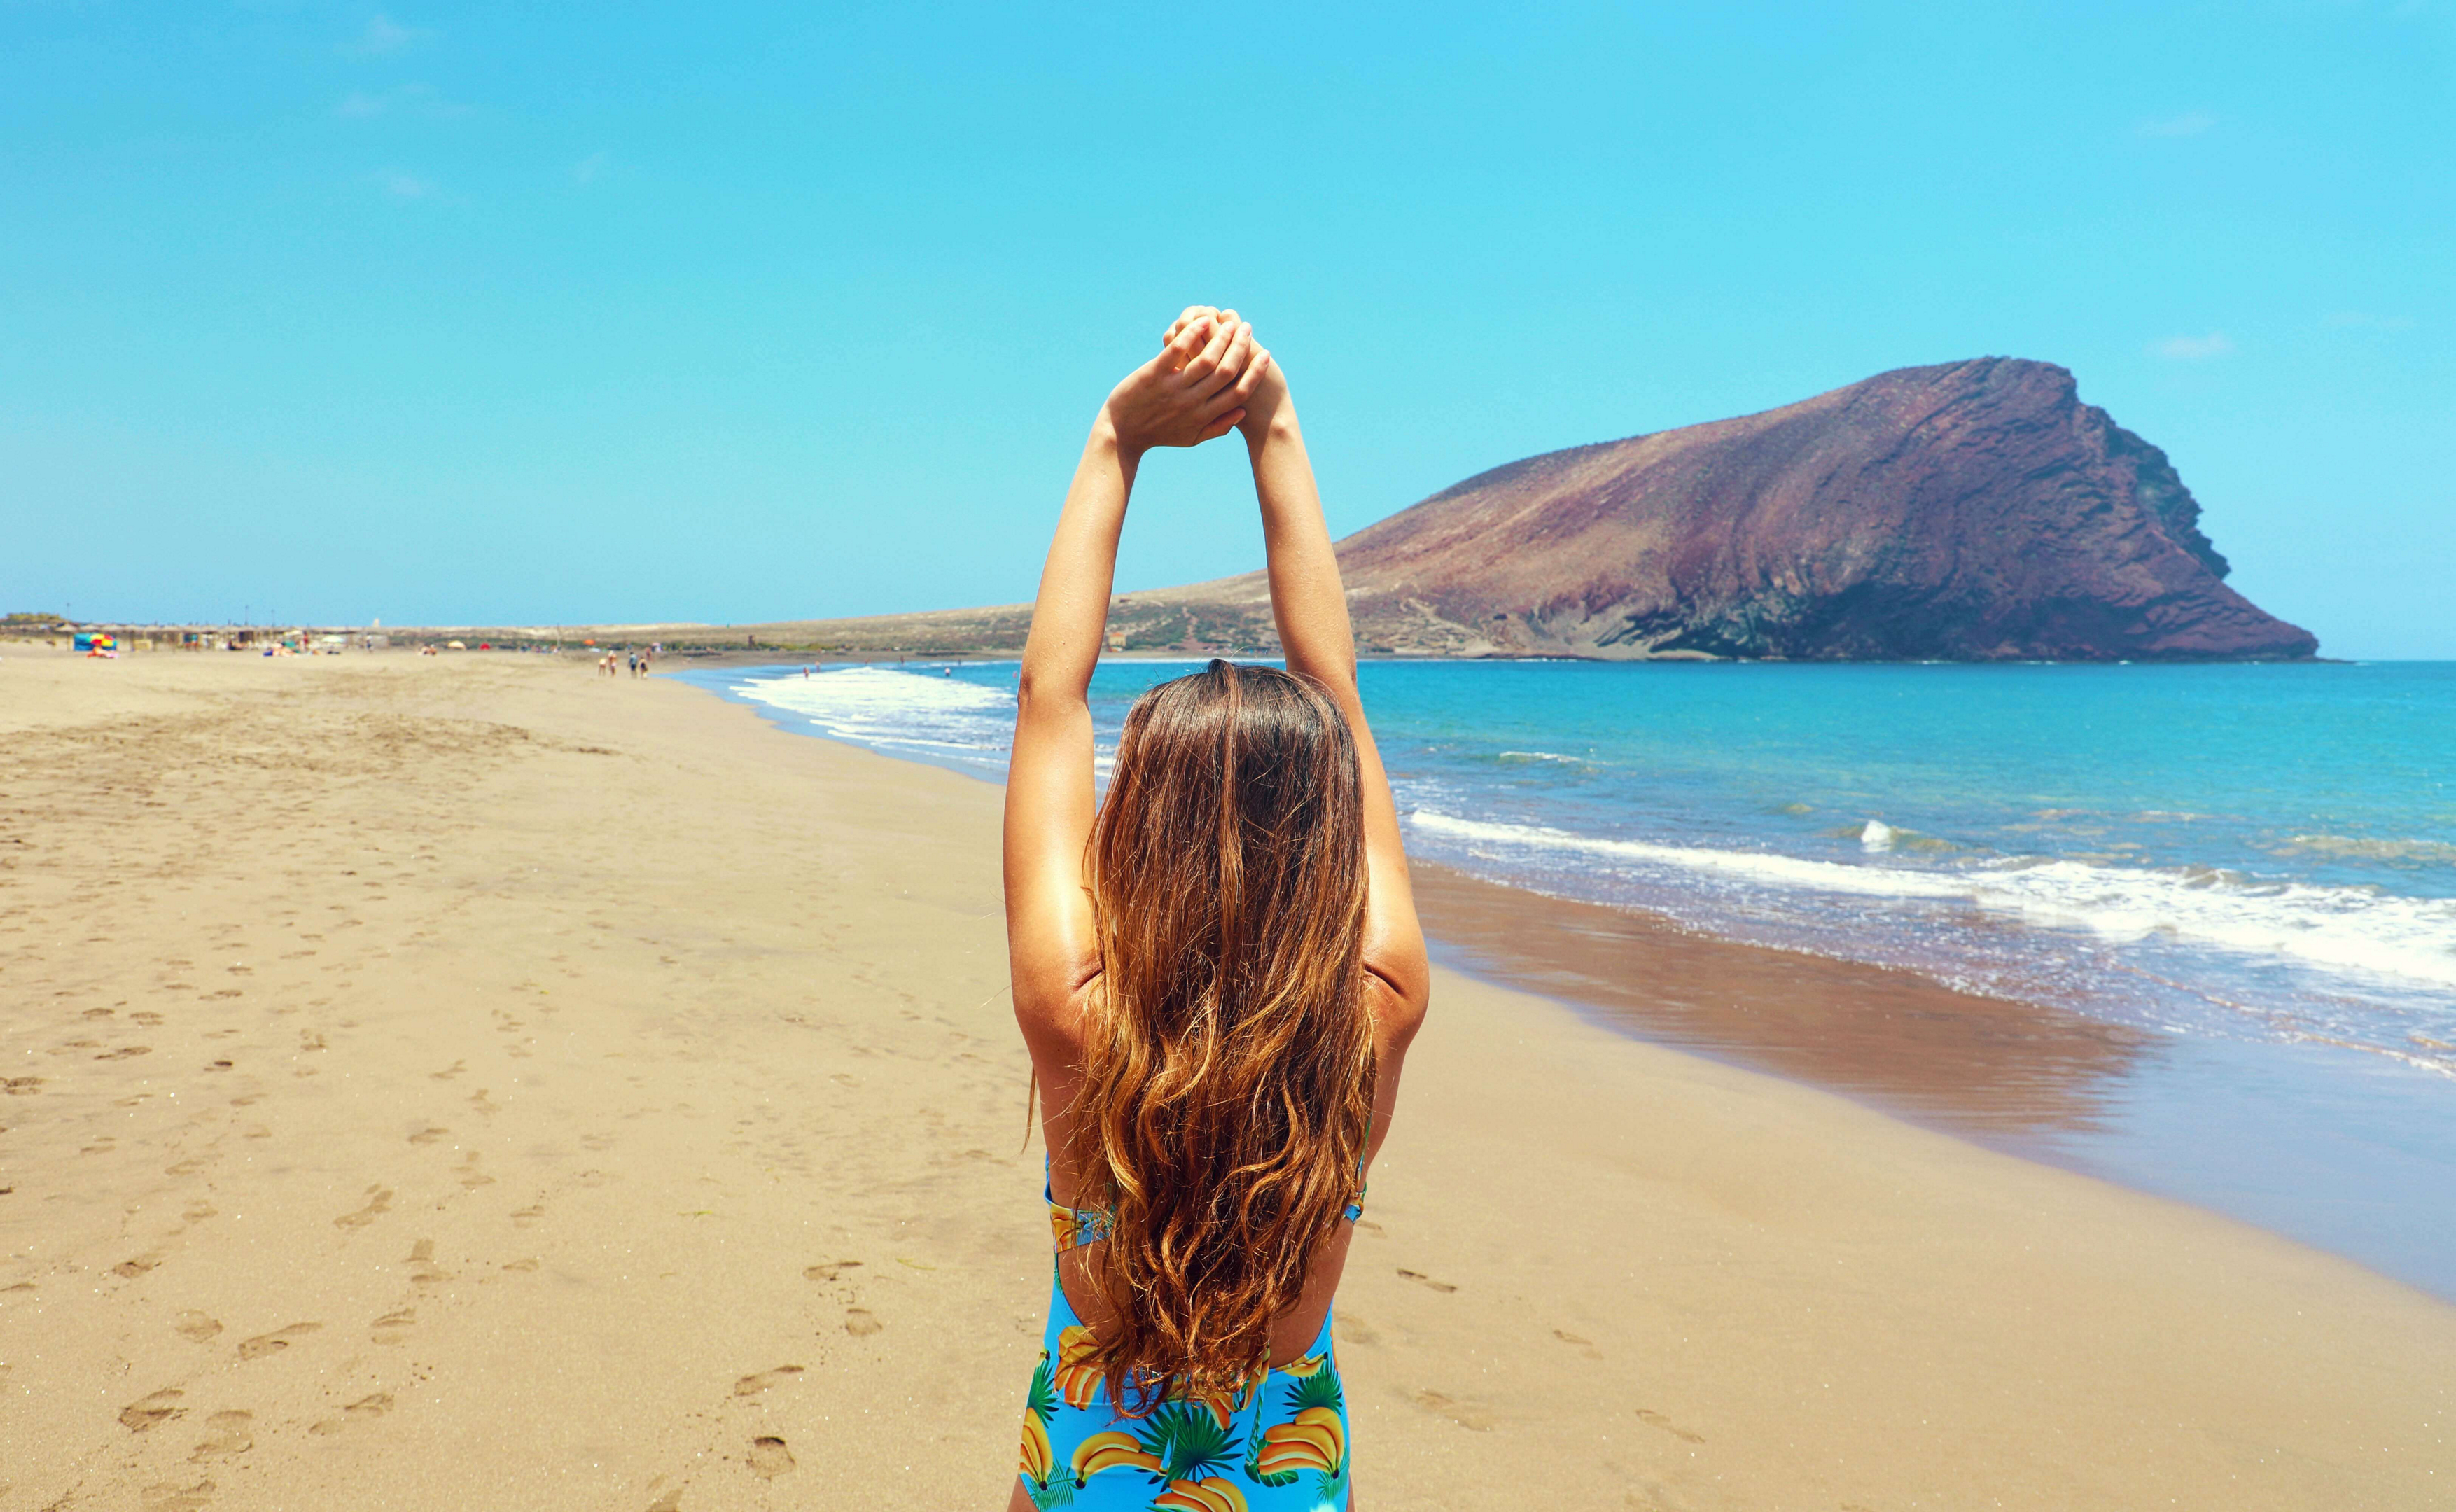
(2256, 864)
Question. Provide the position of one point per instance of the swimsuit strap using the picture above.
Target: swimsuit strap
(1073, 1228)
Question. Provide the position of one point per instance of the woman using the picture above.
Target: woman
(1217, 972)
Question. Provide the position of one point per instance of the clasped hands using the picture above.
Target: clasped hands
(1210, 378)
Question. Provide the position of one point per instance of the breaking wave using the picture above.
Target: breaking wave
(2340, 929)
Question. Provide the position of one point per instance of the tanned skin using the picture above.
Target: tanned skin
(1208, 379)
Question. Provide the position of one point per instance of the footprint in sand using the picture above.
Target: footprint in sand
(197, 1211)
(830, 1270)
(861, 1322)
(197, 1327)
(226, 1436)
(429, 1134)
(523, 1217)
(1421, 1279)
(753, 1385)
(596, 1141)
(364, 1409)
(1656, 1420)
(1465, 1414)
(149, 1411)
(449, 1072)
(478, 1101)
(126, 1052)
(138, 1265)
(379, 1200)
(168, 1498)
(1585, 1346)
(393, 1327)
(423, 1269)
(769, 1456)
(274, 1342)
(471, 1176)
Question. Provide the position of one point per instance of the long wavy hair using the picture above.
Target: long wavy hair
(1227, 1087)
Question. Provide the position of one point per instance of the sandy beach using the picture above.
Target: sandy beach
(472, 1081)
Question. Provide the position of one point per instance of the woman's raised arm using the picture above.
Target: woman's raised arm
(1310, 605)
(1189, 394)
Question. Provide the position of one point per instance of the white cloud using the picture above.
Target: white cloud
(384, 34)
(2192, 348)
(2191, 123)
(405, 186)
(592, 168)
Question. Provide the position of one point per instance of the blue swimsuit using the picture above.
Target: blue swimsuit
(1279, 1444)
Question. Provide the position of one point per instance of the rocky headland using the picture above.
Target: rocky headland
(1970, 511)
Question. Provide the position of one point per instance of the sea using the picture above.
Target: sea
(2247, 871)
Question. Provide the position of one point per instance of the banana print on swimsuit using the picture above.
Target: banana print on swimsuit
(1213, 1456)
(1279, 1446)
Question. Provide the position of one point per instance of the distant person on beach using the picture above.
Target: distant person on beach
(1217, 972)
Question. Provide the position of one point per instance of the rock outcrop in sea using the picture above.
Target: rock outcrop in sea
(1971, 511)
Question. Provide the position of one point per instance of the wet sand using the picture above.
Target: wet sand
(1978, 1066)
(2319, 1142)
(472, 1081)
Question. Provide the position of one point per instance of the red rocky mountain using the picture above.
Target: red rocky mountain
(1972, 511)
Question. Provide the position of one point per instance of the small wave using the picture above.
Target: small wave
(2342, 929)
(872, 692)
(942, 718)
(1542, 756)
(1748, 865)
(2432, 852)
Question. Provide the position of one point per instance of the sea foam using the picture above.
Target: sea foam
(940, 718)
(2342, 929)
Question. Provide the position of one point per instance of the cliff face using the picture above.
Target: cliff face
(1973, 511)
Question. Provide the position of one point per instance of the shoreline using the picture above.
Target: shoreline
(2302, 1140)
(463, 1081)
(2307, 1145)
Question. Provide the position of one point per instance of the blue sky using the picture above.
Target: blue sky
(453, 313)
